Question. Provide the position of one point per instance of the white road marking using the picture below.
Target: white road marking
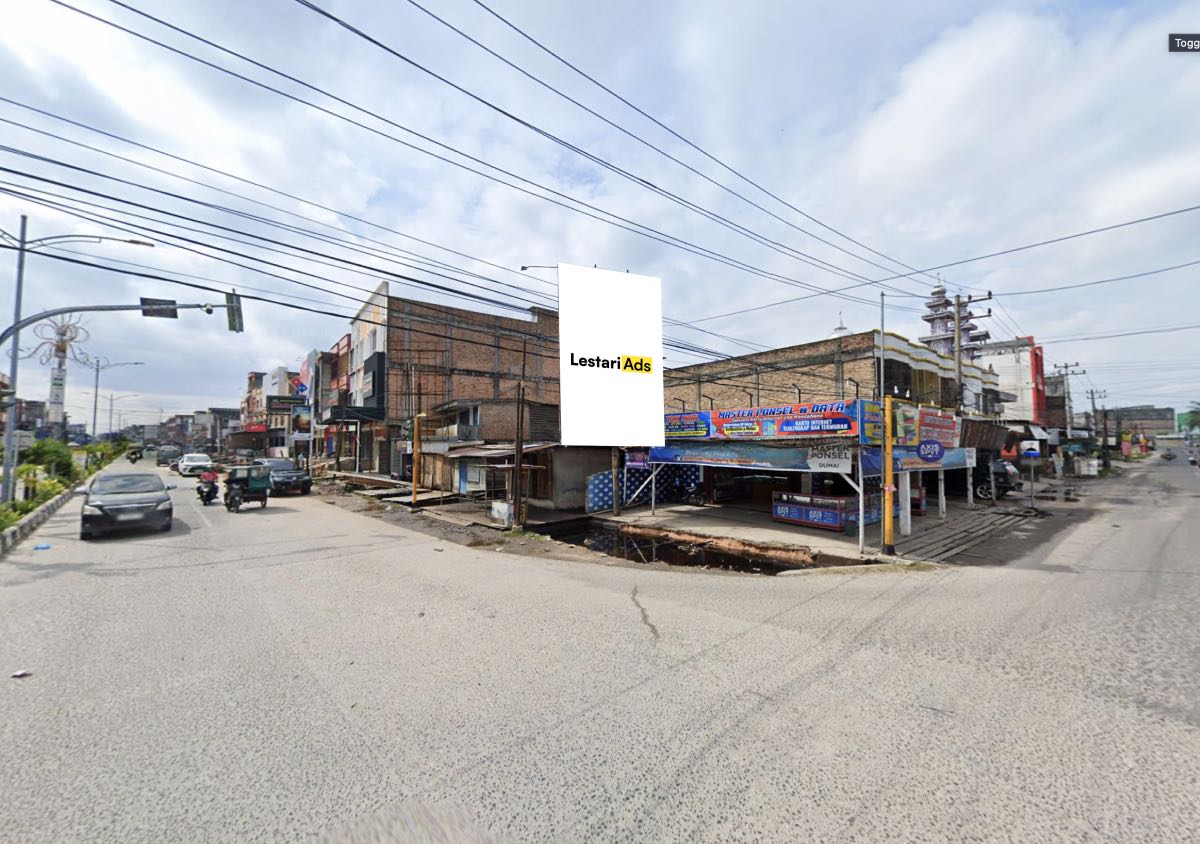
(200, 513)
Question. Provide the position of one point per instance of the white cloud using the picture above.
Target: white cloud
(969, 127)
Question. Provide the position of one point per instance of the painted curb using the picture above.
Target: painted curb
(12, 537)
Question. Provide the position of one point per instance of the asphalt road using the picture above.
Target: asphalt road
(296, 671)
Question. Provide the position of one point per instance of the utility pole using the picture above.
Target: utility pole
(958, 385)
(23, 246)
(959, 304)
(97, 365)
(519, 446)
(10, 430)
(1067, 372)
(416, 456)
(1093, 395)
(1104, 450)
(882, 347)
(518, 455)
(888, 543)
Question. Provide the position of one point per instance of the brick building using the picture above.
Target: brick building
(1144, 419)
(458, 368)
(253, 407)
(844, 366)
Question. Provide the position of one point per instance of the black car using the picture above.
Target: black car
(286, 476)
(126, 500)
(1008, 479)
(166, 455)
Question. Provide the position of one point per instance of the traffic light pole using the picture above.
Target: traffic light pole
(14, 330)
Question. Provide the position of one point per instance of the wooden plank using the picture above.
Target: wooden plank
(940, 534)
(977, 529)
(959, 543)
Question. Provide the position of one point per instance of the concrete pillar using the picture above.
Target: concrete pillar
(905, 496)
(942, 493)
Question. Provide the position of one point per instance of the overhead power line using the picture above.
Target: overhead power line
(1102, 280)
(381, 275)
(727, 167)
(553, 138)
(1170, 329)
(639, 139)
(313, 221)
(260, 185)
(1009, 251)
(290, 305)
(563, 200)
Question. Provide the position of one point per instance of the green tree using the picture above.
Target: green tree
(55, 456)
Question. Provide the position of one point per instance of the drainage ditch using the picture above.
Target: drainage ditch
(643, 545)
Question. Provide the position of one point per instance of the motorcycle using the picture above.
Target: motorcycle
(1008, 479)
(206, 491)
(134, 456)
(689, 493)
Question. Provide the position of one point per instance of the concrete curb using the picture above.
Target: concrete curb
(12, 537)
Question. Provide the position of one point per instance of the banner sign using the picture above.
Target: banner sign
(754, 456)
(830, 458)
(913, 424)
(816, 419)
(870, 420)
(637, 458)
(907, 458)
(610, 357)
(906, 425)
(938, 425)
(301, 422)
(684, 425)
(285, 404)
(931, 451)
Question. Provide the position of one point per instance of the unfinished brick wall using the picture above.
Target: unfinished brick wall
(823, 371)
(438, 354)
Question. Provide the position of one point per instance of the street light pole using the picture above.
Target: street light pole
(10, 430)
(23, 246)
(98, 364)
(112, 397)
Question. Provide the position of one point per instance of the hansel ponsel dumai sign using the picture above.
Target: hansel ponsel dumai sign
(610, 357)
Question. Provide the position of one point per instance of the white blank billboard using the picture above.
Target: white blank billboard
(610, 357)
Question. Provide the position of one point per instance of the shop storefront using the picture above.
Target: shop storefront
(816, 465)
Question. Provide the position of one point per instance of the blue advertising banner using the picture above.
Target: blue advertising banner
(870, 422)
(747, 455)
(815, 419)
(907, 458)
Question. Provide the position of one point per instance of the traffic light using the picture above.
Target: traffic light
(233, 311)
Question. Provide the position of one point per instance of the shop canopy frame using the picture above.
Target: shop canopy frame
(798, 439)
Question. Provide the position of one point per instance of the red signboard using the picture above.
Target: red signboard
(938, 425)
(256, 428)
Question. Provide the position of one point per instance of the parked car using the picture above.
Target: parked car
(1008, 479)
(286, 476)
(195, 464)
(165, 455)
(127, 500)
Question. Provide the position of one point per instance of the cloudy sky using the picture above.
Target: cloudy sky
(890, 137)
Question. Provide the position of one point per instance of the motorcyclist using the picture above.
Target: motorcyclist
(207, 478)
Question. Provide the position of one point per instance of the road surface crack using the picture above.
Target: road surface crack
(645, 615)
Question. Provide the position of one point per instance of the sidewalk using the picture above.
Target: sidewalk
(756, 526)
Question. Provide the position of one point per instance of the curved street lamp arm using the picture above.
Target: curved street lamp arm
(83, 238)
